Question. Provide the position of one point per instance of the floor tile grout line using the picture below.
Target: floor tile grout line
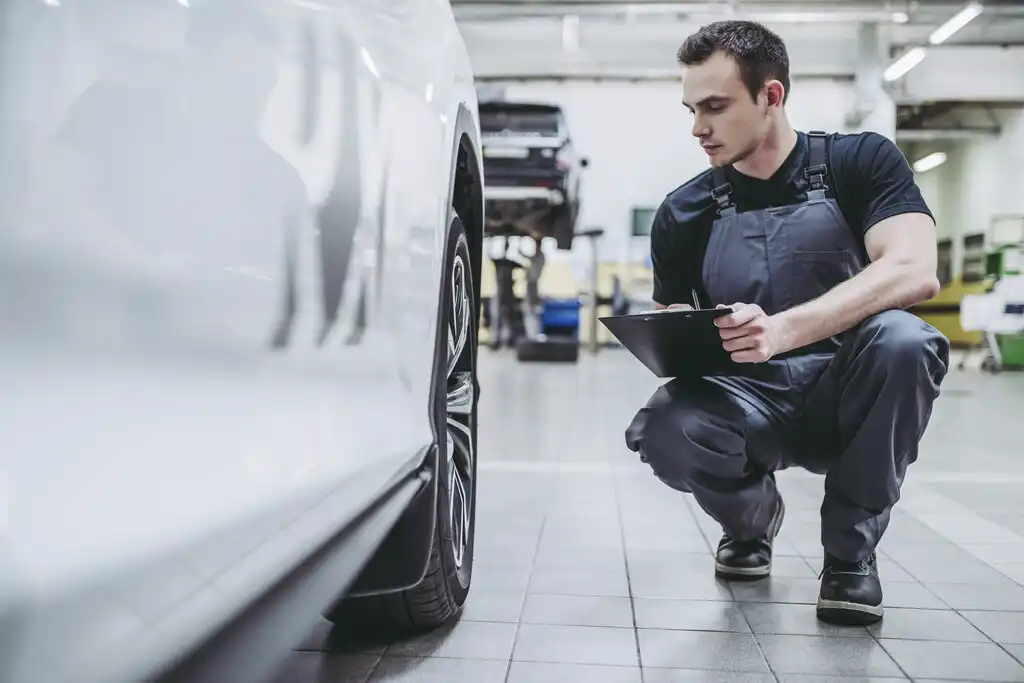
(526, 593)
(376, 665)
(878, 641)
(629, 579)
(746, 619)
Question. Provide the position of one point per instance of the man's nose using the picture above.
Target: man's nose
(699, 130)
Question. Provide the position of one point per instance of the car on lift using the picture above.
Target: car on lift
(533, 171)
(237, 332)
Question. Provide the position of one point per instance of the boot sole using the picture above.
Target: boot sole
(848, 613)
(728, 573)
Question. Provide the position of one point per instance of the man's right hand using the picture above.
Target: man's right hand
(680, 307)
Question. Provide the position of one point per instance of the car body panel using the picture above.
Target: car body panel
(219, 271)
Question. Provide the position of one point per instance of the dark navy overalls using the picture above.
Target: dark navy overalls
(853, 407)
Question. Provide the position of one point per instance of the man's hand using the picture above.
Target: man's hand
(680, 307)
(749, 334)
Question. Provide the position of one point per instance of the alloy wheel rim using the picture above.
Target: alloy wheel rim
(459, 411)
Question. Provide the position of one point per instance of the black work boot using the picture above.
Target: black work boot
(749, 560)
(851, 593)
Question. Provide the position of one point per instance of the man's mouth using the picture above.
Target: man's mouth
(710, 149)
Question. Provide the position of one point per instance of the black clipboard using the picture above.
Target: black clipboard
(674, 342)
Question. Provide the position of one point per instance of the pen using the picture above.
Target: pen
(696, 301)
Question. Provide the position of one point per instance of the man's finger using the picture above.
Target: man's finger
(740, 317)
(748, 356)
(680, 307)
(740, 344)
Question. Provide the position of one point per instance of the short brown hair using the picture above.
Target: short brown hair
(760, 53)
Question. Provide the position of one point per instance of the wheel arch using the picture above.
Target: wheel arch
(402, 560)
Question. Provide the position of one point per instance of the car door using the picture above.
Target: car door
(201, 383)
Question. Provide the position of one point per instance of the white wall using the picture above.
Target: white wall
(637, 137)
(981, 179)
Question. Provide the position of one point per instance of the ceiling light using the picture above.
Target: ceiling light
(571, 32)
(907, 61)
(927, 163)
(957, 22)
(900, 17)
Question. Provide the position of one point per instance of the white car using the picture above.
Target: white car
(240, 251)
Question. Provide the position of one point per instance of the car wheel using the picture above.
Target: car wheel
(439, 596)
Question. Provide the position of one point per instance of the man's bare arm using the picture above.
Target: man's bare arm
(902, 273)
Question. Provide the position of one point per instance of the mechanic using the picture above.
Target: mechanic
(817, 242)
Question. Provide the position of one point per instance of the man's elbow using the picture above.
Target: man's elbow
(921, 282)
(928, 287)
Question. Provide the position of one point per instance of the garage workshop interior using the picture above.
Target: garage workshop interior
(511, 341)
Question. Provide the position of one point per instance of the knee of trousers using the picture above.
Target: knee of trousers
(899, 343)
(681, 444)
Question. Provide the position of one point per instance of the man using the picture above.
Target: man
(817, 242)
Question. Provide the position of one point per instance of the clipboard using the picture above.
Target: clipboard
(674, 342)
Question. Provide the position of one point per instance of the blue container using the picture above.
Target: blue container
(561, 317)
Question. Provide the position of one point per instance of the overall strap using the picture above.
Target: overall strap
(817, 169)
(722, 192)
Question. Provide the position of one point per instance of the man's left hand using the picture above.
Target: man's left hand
(749, 334)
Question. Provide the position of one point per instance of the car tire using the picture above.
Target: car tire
(440, 595)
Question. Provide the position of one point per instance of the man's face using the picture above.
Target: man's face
(729, 123)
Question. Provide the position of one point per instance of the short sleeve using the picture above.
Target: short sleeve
(672, 280)
(880, 182)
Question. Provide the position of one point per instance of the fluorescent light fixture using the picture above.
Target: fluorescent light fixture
(907, 61)
(957, 22)
(930, 161)
(900, 17)
(571, 32)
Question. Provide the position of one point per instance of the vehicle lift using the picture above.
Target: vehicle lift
(525, 328)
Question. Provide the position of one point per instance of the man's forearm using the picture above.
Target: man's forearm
(881, 286)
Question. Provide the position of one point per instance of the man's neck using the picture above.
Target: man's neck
(764, 162)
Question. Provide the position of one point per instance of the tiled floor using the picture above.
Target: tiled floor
(589, 569)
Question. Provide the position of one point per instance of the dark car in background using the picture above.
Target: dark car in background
(532, 171)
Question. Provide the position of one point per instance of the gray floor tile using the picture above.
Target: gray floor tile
(891, 572)
(578, 610)
(910, 595)
(652, 675)
(464, 640)
(943, 563)
(926, 624)
(962, 596)
(538, 672)
(1015, 650)
(825, 656)
(1012, 570)
(794, 620)
(792, 591)
(316, 668)
(586, 559)
(500, 578)
(736, 652)
(576, 645)
(689, 615)
(483, 605)
(666, 583)
(604, 582)
(817, 678)
(437, 670)
(1002, 627)
(672, 562)
(954, 661)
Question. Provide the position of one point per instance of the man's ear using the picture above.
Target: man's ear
(774, 93)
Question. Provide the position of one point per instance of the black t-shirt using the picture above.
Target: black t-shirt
(868, 176)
